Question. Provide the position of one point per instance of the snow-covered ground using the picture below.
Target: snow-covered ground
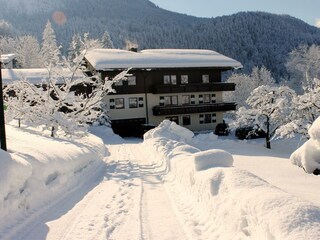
(173, 185)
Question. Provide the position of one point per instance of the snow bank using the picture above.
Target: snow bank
(308, 155)
(212, 158)
(235, 203)
(40, 169)
(170, 130)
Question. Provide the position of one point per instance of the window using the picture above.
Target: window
(213, 98)
(173, 119)
(167, 100)
(118, 83)
(170, 79)
(192, 100)
(207, 118)
(205, 78)
(184, 79)
(166, 79)
(161, 102)
(133, 102)
(174, 100)
(111, 102)
(206, 98)
(170, 100)
(119, 103)
(132, 80)
(186, 120)
(185, 99)
(140, 102)
(200, 98)
(174, 79)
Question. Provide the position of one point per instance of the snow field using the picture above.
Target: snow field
(37, 170)
(219, 201)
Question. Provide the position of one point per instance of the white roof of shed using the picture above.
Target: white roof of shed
(33, 75)
(103, 59)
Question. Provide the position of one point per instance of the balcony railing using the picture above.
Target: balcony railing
(188, 109)
(194, 87)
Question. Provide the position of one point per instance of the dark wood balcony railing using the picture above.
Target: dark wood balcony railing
(188, 109)
(194, 87)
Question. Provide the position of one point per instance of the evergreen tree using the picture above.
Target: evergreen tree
(106, 40)
(49, 49)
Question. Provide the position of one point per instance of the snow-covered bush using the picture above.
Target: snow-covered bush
(305, 110)
(268, 109)
(308, 155)
(245, 84)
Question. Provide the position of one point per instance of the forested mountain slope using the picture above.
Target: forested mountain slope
(253, 38)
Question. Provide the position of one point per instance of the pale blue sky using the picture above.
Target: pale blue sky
(306, 10)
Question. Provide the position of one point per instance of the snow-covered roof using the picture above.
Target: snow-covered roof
(6, 58)
(33, 75)
(103, 59)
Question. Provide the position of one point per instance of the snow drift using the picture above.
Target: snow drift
(235, 203)
(38, 170)
(308, 155)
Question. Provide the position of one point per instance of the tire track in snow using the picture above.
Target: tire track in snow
(157, 214)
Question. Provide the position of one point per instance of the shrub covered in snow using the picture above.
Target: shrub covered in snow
(308, 155)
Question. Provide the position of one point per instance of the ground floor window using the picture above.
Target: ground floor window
(186, 120)
(133, 102)
(207, 118)
(119, 102)
(173, 119)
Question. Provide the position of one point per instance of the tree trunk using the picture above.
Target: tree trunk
(52, 131)
(268, 143)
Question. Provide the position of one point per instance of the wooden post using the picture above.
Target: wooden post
(2, 122)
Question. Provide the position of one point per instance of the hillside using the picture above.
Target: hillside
(253, 38)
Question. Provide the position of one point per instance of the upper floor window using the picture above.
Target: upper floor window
(170, 79)
(185, 99)
(118, 83)
(132, 80)
(184, 79)
(170, 100)
(205, 78)
(206, 98)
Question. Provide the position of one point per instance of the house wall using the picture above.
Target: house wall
(154, 99)
(147, 82)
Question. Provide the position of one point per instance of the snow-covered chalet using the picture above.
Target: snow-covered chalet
(182, 85)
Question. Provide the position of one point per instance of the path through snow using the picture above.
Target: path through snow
(130, 202)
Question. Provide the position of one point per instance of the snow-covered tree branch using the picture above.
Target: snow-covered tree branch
(268, 108)
(65, 101)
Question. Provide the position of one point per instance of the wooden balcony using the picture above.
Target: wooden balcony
(188, 109)
(195, 87)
